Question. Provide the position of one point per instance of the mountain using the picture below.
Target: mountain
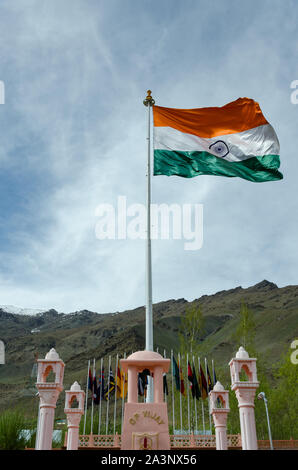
(84, 335)
(21, 310)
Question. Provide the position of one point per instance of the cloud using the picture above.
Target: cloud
(73, 135)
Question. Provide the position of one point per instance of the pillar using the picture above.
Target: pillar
(132, 385)
(219, 408)
(245, 393)
(48, 394)
(73, 415)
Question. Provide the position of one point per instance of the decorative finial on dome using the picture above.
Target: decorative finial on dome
(75, 387)
(52, 355)
(242, 354)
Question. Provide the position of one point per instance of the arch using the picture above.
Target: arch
(220, 402)
(49, 375)
(74, 403)
(245, 374)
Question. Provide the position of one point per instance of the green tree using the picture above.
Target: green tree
(246, 330)
(283, 400)
(191, 329)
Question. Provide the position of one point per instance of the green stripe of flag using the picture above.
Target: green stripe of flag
(189, 164)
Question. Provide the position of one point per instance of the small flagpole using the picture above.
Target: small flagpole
(203, 411)
(164, 394)
(86, 399)
(100, 396)
(92, 403)
(115, 403)
(180, 381)
(173, 398)
(107, 416)
(210, 426)
(186, 381)
(123, 391)
(195, 399)
(149, 102)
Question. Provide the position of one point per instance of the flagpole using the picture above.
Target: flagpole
(188, 409)
(123, 375)
(173, 398)
(86, 399)
(203, 411)
(92, 403)
(195, 399)
(149, 102)
(164, 394)
(100, 396)
(207, 378)
(108, 403)
(115, 403)
(180, 381)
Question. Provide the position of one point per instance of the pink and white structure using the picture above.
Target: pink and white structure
(48, 394)
(219, 409)
(145, 425)
(73, 414)
(245, 393)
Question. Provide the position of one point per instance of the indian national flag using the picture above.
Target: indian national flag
(234, 140)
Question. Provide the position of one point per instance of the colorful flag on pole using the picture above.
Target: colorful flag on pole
(111, 385)
(165, 384)
(175, 372)
(214, 377)
(209, 381)
(232, 140)
(196, 384)
(90, 380)
(94, 387)
(100, 389)
(203, 384)
(193, 380)
(182, 388)
(119, 383)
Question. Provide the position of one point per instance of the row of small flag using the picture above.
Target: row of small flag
(98, 389)
(199, 386)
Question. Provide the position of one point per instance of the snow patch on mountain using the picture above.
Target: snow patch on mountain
(21, 310)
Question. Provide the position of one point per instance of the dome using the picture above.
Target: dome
(242, 354)
(75, 387)
(218, 387)
(145, 355)
(52, 355)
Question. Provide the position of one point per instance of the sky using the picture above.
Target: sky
(73, 136)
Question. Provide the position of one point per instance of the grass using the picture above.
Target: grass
(11, 425)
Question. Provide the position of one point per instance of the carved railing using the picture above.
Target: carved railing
(105, 441)
(112, 441)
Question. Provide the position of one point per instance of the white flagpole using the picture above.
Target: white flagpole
(123, 390)
(100, 397)
(173, 398)
(186, 382)
(92, 403)
(203, 415)
(195, 399)
(149, 102)
(210, 425)
(107, 416)
(164, 394)
(179, 366)
(86, 398)
(116, 381)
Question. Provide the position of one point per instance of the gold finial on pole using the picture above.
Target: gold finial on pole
(149, 101)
